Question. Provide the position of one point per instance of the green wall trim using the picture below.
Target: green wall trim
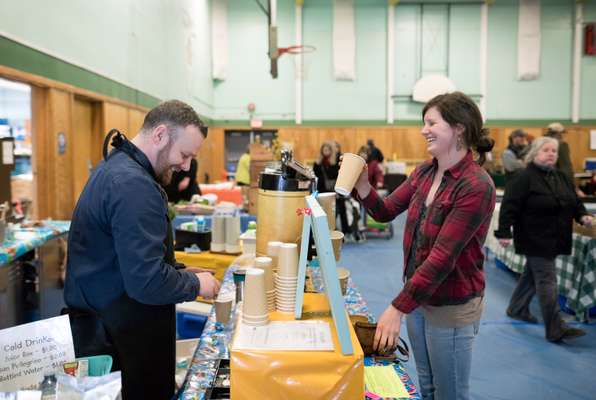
(333, 123)
(23, 58)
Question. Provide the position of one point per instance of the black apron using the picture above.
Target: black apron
(141, 338)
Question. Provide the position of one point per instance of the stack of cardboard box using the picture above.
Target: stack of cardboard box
(260, 155)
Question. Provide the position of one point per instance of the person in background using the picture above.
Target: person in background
(122, 279)
(243, 169)
(540, 205)
(375, 152)
(556, 130)
(375, 171)
(184, 184)
(449, 201)
(243, 176)
(326, 168)
(514, 154)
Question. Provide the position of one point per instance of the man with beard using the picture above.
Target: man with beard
(122, 281)
(513, 156)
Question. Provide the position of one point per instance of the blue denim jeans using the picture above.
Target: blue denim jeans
(443, 357)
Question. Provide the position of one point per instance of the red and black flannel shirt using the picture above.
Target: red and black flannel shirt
(449, 261)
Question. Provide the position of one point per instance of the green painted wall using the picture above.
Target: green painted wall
(145, 50)
(428, 38)
(588, 98)
(248, 79)
(137, 50)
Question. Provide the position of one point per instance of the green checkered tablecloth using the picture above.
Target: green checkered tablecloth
(576, 274)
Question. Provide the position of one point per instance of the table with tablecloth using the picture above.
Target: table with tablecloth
(216, 262)
(215, 339)
(225, 191)
(576, 273)
(180, 219)
(20, 240)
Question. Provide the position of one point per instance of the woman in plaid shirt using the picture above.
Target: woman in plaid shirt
(450, 201)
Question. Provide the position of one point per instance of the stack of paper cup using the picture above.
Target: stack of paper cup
(265, 264)
(273, 251)
(327, 202)
(337, 238)
(343, 275)
(232, 234)
(351, 168)
(218, 233)
(254, 308)
(286, 279)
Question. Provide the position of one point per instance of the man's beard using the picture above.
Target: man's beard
(163, 170)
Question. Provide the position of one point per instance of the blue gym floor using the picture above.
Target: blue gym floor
(512, 360)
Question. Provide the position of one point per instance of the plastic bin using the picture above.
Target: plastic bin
(99, 365)
(190, 326)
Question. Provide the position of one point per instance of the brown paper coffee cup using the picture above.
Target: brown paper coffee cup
(350, 170)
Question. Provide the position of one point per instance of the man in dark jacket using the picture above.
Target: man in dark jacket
(375, 152)
(514, 154)
(121, 280)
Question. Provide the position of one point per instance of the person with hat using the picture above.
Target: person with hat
(556, 130)
(513, 156)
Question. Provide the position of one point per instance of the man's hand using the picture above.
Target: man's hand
(196, 270)
(588, 220)
(209, 285)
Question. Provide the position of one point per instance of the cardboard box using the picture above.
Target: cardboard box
(299, 375)
(253, 195)
(584, 230)
(256, 167)
(260, 152)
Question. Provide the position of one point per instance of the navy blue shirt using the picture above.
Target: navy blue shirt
(116, 243)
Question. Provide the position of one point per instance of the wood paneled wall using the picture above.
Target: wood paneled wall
(52, 167)
(60, 176)
(401, 142)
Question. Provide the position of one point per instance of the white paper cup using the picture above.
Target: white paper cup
(223, 308)
(255, 317)
(285, 283)
(351, 168)
(262, 322)
(266, 264)
(327, 202)
(343, 275)
(218, 232)
(255, 299)
(288, 260)
(337, 238)
(286, 279)
(273, 252)
(232, 236)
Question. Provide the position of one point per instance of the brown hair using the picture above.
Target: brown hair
(332, 156)
(365, 150)
(457, 108)
(174, 114)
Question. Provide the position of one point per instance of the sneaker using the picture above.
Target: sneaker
(567, 333)
(573, 333)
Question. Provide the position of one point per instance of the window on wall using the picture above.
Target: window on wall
(15, 121)
(16, 180)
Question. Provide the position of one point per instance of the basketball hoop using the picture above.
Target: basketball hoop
(302, 49)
